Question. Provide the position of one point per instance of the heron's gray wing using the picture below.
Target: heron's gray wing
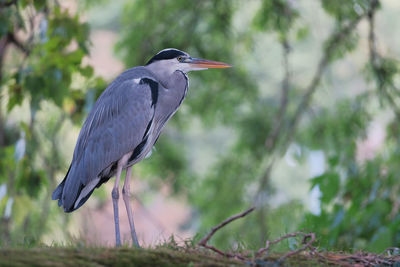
(116, 125)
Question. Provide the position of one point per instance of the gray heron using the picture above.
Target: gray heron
(123, 126)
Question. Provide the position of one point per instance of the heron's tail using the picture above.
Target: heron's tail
(58, 192)
(72, 193)
(66, 192)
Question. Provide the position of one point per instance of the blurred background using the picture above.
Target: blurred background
(305, 126)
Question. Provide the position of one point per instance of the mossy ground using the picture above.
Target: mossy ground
(59, 256)
(84, 256)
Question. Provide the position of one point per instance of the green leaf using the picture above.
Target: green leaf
(329, 184)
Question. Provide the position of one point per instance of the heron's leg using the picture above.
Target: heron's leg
(115, 198)
(126, 195)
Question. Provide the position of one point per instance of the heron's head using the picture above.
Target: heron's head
(170, 60)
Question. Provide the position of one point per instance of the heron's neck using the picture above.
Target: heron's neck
(165, 72)
(166, 78)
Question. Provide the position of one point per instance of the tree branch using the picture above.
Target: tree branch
(375, 60)
(12, 39)
(306, 244)
(334, 41)
(272, 138)
(204, 240)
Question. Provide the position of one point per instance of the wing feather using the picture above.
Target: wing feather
(115, 126)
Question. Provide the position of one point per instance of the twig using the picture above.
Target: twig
(204, 240)
(307, 245)
(365, 259)
(268, 243)
(304, 247)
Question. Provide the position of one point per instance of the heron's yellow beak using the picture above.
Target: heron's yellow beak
(209, 64)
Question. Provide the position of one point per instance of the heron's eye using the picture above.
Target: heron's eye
(180, 58)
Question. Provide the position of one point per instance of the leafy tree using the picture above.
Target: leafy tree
(359, 207)
(200, 23)
(41, 50)
(262, 106)
(266, 124)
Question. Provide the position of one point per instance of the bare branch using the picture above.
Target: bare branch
(306, 244)
(365, 259)
(205, 239)
(220, 252)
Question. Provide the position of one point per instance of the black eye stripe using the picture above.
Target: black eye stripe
(167, 54)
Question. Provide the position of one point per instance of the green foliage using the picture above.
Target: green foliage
(329, 184)
(48, 74)
(337, 131)
(276, 15)
(40, 72)
(240, 176)
(200, 24)
(251, 143)
(254, 101)
(342, 48)
(170, 162)
(358, 201)
(363, 215)
(343, 11)
(383, 72)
